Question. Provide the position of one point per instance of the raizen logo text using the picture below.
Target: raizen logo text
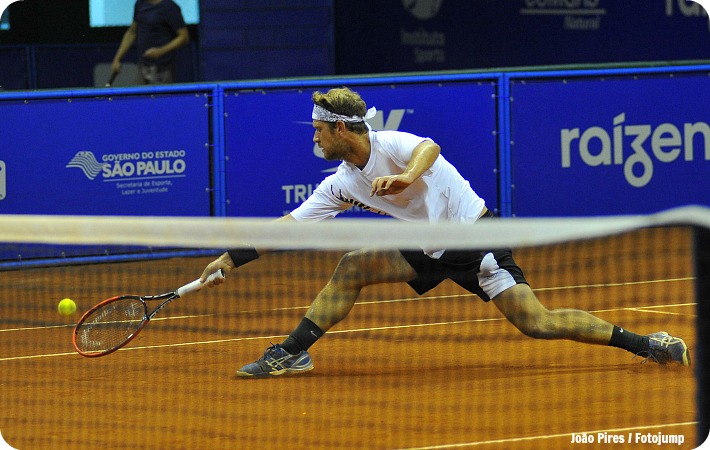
(687, 9)
(665, 143)
(297, 193)
(134, 173)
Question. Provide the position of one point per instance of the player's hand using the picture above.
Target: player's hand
(224, 263)
(389, 185)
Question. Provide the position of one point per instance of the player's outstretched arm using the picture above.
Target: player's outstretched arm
(224, 263)
(233, 258)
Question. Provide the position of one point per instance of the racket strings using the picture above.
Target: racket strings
(110, 325)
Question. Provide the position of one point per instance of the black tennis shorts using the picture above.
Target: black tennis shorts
(485, 273)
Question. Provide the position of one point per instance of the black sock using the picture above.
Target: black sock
(305, 335)
(627, 340)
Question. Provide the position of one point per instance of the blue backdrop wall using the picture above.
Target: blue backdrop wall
(571, 143)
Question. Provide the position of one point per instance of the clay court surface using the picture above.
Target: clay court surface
(440, 371)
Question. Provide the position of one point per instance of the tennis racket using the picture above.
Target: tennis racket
(112, 79)
(114, 322)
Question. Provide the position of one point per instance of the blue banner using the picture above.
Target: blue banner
(121, 155)
(600, 146)
(273, 165)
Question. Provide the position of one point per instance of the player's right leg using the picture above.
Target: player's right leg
(355, 270)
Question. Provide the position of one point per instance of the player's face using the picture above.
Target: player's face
(327, 139)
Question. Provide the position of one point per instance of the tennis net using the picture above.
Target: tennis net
(402, 370)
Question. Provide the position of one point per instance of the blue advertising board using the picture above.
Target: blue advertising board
(120, 155)
(613, 145)
(273, 165)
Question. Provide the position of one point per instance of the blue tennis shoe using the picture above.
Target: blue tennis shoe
(277, 361)
(664, 348)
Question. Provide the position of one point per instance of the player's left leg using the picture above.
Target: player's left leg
(521, 307)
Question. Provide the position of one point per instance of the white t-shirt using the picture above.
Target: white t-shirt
(440, 194)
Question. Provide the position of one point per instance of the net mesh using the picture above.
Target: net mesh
(440, 370)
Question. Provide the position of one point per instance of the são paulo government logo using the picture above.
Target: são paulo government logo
(136, 165)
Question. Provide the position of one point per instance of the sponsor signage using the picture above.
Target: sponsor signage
(418, 35)
(273, 165)
(598, 146)
(142, 155)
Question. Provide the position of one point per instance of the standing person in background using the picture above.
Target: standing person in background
(158, 29)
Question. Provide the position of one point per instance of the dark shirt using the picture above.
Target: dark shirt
(157, 25)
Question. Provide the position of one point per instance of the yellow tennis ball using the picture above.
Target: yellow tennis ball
(67, 307)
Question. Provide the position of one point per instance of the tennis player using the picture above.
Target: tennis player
(406, 177)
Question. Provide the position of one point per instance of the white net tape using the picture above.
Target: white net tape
(338, 234)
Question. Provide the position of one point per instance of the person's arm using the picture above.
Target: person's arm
(319, 206)
(236, 257)
(182, 38)
(423, 157)
(129, 37)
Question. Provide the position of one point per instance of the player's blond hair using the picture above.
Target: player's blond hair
(345, 102)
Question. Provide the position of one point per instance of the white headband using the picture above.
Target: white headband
(322, 114)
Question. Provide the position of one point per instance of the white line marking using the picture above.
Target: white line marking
(48, 355)
(44, 327)
(626, 283)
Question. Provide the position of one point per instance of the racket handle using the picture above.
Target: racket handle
(196, 285)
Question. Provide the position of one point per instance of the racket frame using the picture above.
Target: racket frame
(166, 298)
